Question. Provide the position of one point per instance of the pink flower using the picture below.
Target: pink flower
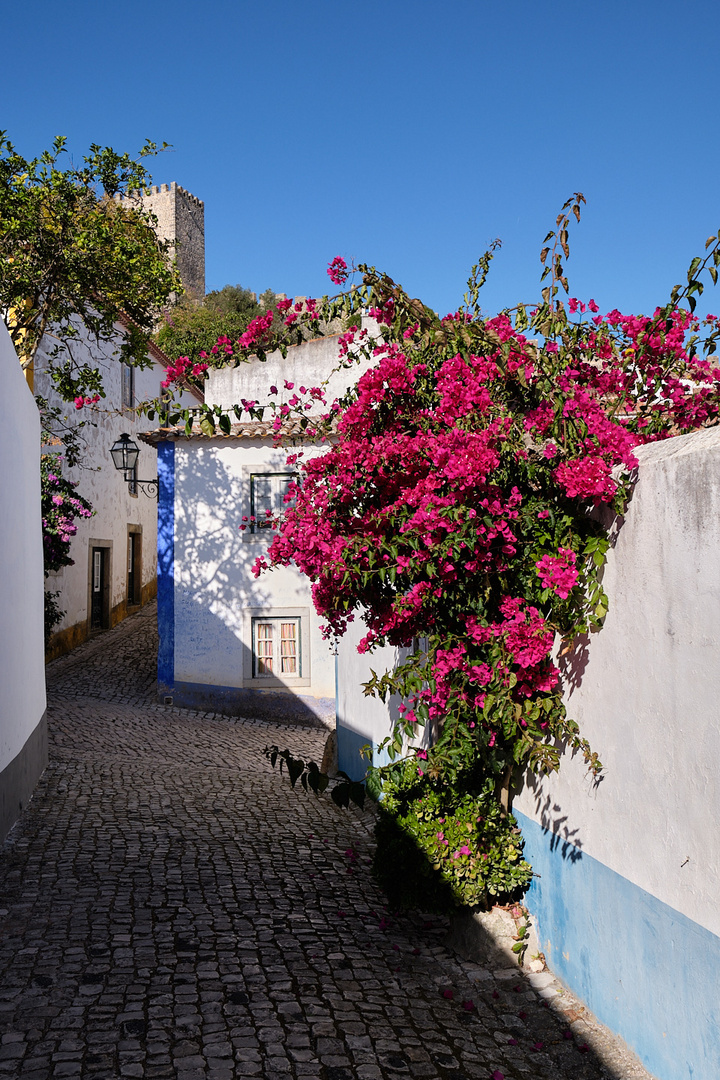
(559, 572)
(448, 994)
(338, 271)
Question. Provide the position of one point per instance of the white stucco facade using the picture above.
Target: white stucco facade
(627, 867)
(309, 364)
(364, 720)
(210, 604)
(645, 691)
(23, 741)
(118, 513)
(214, 561)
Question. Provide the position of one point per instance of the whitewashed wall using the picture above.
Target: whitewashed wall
(23, 738)
(629, 866)
(105, 488)
(215, 594)
(306, 365)
(365, 720)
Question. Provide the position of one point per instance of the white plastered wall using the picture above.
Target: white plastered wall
(22, 666)
(646, 692)
(103, 486)
(216, 593)
(306, 365)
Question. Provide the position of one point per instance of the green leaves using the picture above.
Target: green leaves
(76, 259)
(344, 792)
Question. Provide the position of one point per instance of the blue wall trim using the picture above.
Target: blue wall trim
(271, 705)
(349, 745)
(646, 971)
(166, 565)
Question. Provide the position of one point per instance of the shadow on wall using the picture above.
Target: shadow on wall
(215, 597)
(554, 823)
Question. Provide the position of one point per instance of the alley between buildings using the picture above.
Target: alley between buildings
(171, 909)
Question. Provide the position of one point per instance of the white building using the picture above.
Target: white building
(230, 641)
(114, 552)
(23, 726)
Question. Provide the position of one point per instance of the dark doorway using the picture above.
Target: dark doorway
(98, 588)
(134, 565)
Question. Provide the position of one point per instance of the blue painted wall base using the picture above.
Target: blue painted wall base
(645, 970)
(272, 705)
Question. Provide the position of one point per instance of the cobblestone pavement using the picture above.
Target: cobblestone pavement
(170, 908)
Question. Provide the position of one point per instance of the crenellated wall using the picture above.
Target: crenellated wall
(181, 220)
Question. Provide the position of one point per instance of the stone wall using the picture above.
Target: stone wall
(181, 220)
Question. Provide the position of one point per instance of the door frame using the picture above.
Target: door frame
(106, 546)
(136, 599)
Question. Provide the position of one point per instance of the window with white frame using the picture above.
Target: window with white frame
(268, 498)
(276, 648)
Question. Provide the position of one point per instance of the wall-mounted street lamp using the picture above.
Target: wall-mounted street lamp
(124, 453)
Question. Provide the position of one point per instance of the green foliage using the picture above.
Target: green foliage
(190, 329)
(343, 792)
(61, 506)
(76, 255)
(444, 841)
(53, 613)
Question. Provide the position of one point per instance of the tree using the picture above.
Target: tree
(77, 254)
(190, 329)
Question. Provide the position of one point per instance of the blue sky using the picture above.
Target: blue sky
(404, 134)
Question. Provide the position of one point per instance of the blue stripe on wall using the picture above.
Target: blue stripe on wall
(349, 745)
(645, 970)
(166, 565)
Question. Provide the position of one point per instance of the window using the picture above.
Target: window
(276, 648)
(128, 386)
(132, 482)
(268, 497)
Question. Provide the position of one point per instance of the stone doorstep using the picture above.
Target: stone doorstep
(487, 939)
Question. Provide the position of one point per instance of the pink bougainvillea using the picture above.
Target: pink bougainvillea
(452, 502)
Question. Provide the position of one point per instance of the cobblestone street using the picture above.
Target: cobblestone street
(170, 908)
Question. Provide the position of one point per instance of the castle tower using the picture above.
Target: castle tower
(181, 220)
